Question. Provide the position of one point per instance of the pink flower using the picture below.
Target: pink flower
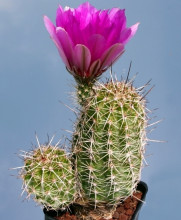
(89, 40)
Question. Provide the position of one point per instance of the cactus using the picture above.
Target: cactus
(108, 142)
(48, 176)
(109, 137)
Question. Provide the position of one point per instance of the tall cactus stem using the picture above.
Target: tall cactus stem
(108, 142)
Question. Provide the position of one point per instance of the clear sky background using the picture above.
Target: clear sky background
(33, 79)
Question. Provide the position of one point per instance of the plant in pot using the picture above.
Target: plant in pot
(100, 177)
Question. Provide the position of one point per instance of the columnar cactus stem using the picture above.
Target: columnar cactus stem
(109, 143)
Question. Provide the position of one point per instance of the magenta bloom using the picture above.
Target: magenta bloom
(89, 40)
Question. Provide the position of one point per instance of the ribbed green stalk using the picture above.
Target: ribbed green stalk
(48, 177)
(109, 143)
(84, 91)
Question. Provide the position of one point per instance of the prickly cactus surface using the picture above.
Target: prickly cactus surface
(109, 141)
(84, 91)
(48, 176)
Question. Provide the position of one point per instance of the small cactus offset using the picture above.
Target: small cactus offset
(48, 176)
(108, 142)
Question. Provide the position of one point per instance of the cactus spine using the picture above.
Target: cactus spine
(48, 176)
(109, 142)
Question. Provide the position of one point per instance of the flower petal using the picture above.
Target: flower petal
(96, 44)
(86, 8)
(111, 55)
(118, 24)
(118, 19)
(67, 19)
(82, 58)
(113, 12)
(66, 43)
(104, 20)
(52, 31)
(59, 16)
(49, 26)
(95, 69)
(84, 14)
(134, 28)
(128, 33)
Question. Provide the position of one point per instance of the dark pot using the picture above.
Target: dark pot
(49, 215)
(144, 189)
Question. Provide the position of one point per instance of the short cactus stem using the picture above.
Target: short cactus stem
(84, 91)
(48, 176)
(109, 141)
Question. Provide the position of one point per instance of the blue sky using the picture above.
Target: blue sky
(33, 79)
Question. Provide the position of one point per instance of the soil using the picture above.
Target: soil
(124, 210)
